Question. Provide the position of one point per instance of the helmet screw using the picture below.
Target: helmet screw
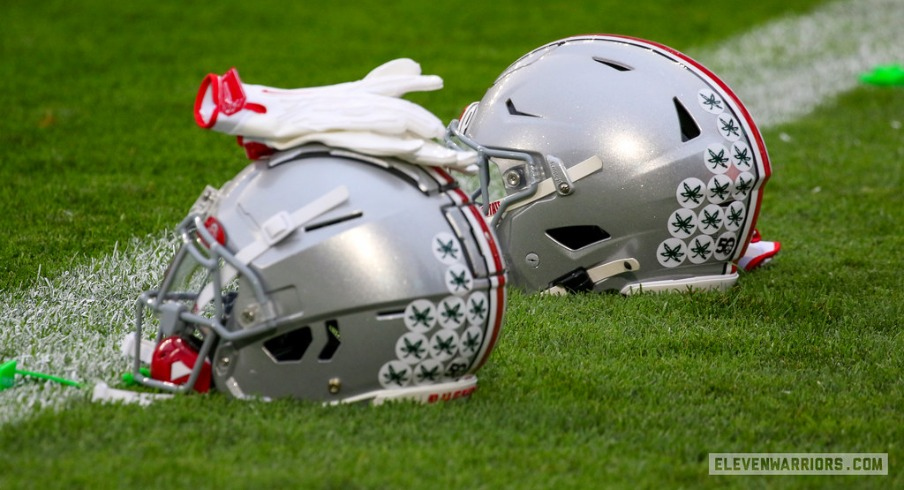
(248, 315)
(532, 259)
(224, 358)
(564, 187)
(512, 178)
(335, 384)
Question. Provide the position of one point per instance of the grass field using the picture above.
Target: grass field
(99, 157)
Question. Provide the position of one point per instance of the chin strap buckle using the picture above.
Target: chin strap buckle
(576, 281)
(563, 184)
(582, 280)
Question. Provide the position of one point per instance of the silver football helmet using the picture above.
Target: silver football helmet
(626, 166)
(327, 275)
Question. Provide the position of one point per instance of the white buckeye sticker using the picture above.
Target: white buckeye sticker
(395, 374)
(741, 157)
(458, 279)
(710, 219)
(470, 341)
(451, 312)
(691, 193)
(420, 316)
(735, 216)
(719, 189)
(716, 158)
(478, 307)
(700, 248)
(429, 372)
(444, 345)
(742, 186)
(710, 101)
(671, 252)
(729, 127)
(682, 223)
(446, 248)
(412, 348)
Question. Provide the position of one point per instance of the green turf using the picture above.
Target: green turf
(98, 146)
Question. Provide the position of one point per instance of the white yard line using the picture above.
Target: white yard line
(71, 325)
(786, 68)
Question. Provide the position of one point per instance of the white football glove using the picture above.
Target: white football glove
(365, 115)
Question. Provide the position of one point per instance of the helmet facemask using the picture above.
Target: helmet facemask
(521, 172)
(194, 305)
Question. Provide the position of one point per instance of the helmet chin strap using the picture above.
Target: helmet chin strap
(274, 230)
(433, 393)
(719, 282)
(598, 273)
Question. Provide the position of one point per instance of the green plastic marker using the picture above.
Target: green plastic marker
(885, 75)
(8, 374)
(129, 378)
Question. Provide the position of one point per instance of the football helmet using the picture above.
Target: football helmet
(327, 275)
(625, 164)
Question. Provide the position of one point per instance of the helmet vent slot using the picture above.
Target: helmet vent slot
(689, 127)
(290, 346)
(612, 64)
(334, 221)
(332, 342)
(515, 112)
(390, 315)
(577, 237)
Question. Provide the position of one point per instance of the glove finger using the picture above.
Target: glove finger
(366, 112)
(361, 141)
(405, 67)
(417, 119)
(354, 113)
(398, 77)
(432, 153)
(398, 86)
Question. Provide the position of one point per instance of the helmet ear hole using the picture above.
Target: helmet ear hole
(577, 237)
(289, 346)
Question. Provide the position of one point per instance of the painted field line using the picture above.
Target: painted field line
(71, 325)
(786, 68)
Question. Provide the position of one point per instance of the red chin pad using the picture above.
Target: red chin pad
(173, 361)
